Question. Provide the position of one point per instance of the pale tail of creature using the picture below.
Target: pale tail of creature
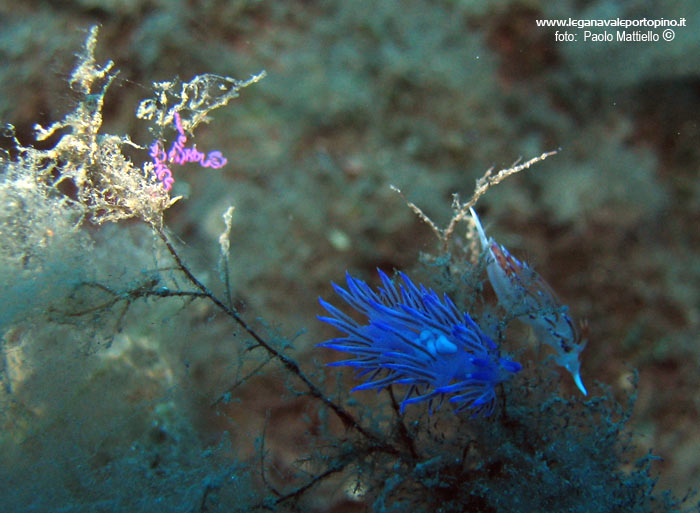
(526, 295)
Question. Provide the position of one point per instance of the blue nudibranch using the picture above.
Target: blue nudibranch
(414, 338)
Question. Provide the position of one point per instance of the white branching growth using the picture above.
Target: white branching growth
(108, 186)
(461, 210)
(194, 99)
(224, 255)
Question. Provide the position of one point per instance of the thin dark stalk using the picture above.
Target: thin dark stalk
(299, 491)
(403, 431)
(348, 420)
(262, 459)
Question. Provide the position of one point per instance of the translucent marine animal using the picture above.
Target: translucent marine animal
(413, 337)
(524, 294)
